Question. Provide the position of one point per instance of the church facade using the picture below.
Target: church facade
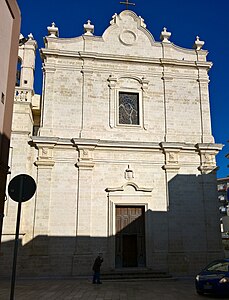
(121, 148)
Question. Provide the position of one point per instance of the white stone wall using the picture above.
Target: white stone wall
(85, 163)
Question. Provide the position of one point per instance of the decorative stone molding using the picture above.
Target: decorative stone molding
(114, 19)
(207, 153)
(127, 37)
(85, 160)
(198, 44)
(166, 77)
(127, 83)
(134, 185)
(145, 84)
(203, 80)
(142, 22)
(88, 28)
(129, 174)
(30, 36)
(53, 30)
(44, 163)
(171, 151)
(165, 35)
(112, 81)
(45, 154)
(22, 95)
(126, 20)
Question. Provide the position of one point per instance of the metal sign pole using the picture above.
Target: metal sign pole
(16, 242)
(21, 188)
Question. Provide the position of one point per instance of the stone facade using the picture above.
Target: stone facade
(100, 179)
(10, 20)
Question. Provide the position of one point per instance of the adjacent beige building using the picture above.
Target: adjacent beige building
(10, 19)
(122, 152)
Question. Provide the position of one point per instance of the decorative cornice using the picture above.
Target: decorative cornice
(86, 165)
(45, 140)
(179, 146)
(174, 168)
(114, 144)
(116, 57)
(209, 146)
(45, 163)
(77, 142)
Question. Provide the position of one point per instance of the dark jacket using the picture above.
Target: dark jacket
(97, 264)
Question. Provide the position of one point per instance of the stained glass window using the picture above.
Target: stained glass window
(128, 108)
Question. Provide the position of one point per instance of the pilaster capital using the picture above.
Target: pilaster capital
(45, 154)
(207, 153)
(112, 81)
(171, 151)
(145, 84)
(85, 160)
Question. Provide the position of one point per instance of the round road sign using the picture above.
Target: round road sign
(22, 188)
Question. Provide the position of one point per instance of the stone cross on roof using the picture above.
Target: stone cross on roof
(127, 3)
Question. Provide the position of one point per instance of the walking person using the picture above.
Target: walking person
(96, 268)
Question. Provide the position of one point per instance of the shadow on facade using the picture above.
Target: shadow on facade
(179, 240)
(4, 153)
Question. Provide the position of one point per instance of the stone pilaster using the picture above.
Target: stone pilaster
(205, 118)
(44, 165)
(171, 166)
(145, 99)
(48, 94)
(167, 91)
(112, 96)
(85, 165)
(86, 113)
(83, 250)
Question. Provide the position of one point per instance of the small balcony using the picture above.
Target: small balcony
(23, 95)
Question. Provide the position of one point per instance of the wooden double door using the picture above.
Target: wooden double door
(130, 237)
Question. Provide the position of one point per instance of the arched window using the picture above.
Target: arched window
(18, 74)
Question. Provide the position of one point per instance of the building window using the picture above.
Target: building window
(18, 74)
(3, 98)
(129, 108)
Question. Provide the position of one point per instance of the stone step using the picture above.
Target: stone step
(133, 274)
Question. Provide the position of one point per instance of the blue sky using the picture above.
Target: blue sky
(184, 19)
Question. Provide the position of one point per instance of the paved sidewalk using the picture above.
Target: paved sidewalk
(83, 289)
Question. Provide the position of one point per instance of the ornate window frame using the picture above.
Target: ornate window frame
(140, 110)
(115, 88)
